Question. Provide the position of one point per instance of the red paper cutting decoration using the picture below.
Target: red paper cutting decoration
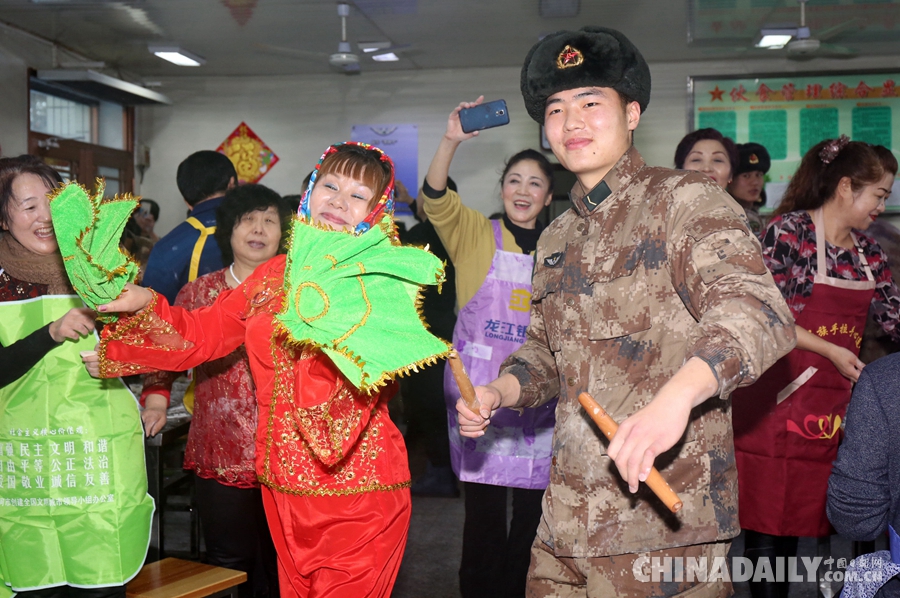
(251, 157)
(241, 10)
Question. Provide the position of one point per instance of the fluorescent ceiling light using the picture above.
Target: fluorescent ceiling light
(389, 57)
(774, 38)
(373, 46)
(773, 42)
(177, 56)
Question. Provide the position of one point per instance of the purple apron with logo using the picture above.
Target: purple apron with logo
(515, 449)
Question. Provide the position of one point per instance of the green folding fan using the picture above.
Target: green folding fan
(88, 230)
(358, 299)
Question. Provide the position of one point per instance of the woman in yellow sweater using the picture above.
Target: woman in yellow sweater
(494, 260)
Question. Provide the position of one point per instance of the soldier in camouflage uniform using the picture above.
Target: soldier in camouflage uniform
(650, 293)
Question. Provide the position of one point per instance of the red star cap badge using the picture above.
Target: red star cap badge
(569, 57)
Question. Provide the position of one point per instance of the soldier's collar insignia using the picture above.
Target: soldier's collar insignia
(554, 260)
(753, 159)
(596, 196)
(569, 57)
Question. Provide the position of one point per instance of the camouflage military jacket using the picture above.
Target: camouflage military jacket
(627, 287)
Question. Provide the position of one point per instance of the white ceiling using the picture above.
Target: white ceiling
(281, 37)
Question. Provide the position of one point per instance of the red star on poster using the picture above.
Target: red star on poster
(717, 94)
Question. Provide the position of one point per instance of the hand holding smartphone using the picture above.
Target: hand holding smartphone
(484, 116)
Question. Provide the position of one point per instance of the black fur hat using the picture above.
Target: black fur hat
(752, 156)
(591, 57)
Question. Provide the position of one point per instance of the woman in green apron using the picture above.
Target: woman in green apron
(74, 512)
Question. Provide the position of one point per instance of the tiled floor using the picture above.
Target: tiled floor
(431, 561)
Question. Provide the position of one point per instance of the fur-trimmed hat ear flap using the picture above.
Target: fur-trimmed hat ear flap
(590, 57)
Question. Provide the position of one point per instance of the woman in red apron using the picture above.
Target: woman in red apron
(787, 426)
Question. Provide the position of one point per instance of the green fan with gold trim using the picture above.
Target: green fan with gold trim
(358, 299)
(88, 230)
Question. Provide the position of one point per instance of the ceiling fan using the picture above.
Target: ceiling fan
(345, 60)
(797, 41)
(800, 43)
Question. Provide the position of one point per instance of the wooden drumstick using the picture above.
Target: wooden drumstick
(609, 427)
(466, 390)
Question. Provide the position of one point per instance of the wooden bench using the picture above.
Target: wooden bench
(175, 578)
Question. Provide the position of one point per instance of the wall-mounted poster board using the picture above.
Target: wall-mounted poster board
(789, 113)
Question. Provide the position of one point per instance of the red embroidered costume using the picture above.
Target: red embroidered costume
(333, 464)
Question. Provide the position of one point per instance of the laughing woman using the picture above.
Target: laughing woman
(493, 261)
(43, 328)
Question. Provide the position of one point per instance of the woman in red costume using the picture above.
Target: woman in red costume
(787, 425)
(251, 226)
(332, 464)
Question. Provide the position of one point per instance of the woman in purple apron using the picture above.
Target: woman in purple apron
(787, 426)
(493, 260)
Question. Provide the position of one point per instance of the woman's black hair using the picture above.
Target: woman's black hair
(11, 168)
(242, 200)
(530, 154)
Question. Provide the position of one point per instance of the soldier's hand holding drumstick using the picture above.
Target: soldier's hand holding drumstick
(609, 428)
(641, 437)
(472, 407)
(475, 406)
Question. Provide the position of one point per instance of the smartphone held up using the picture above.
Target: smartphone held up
(484, 116)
